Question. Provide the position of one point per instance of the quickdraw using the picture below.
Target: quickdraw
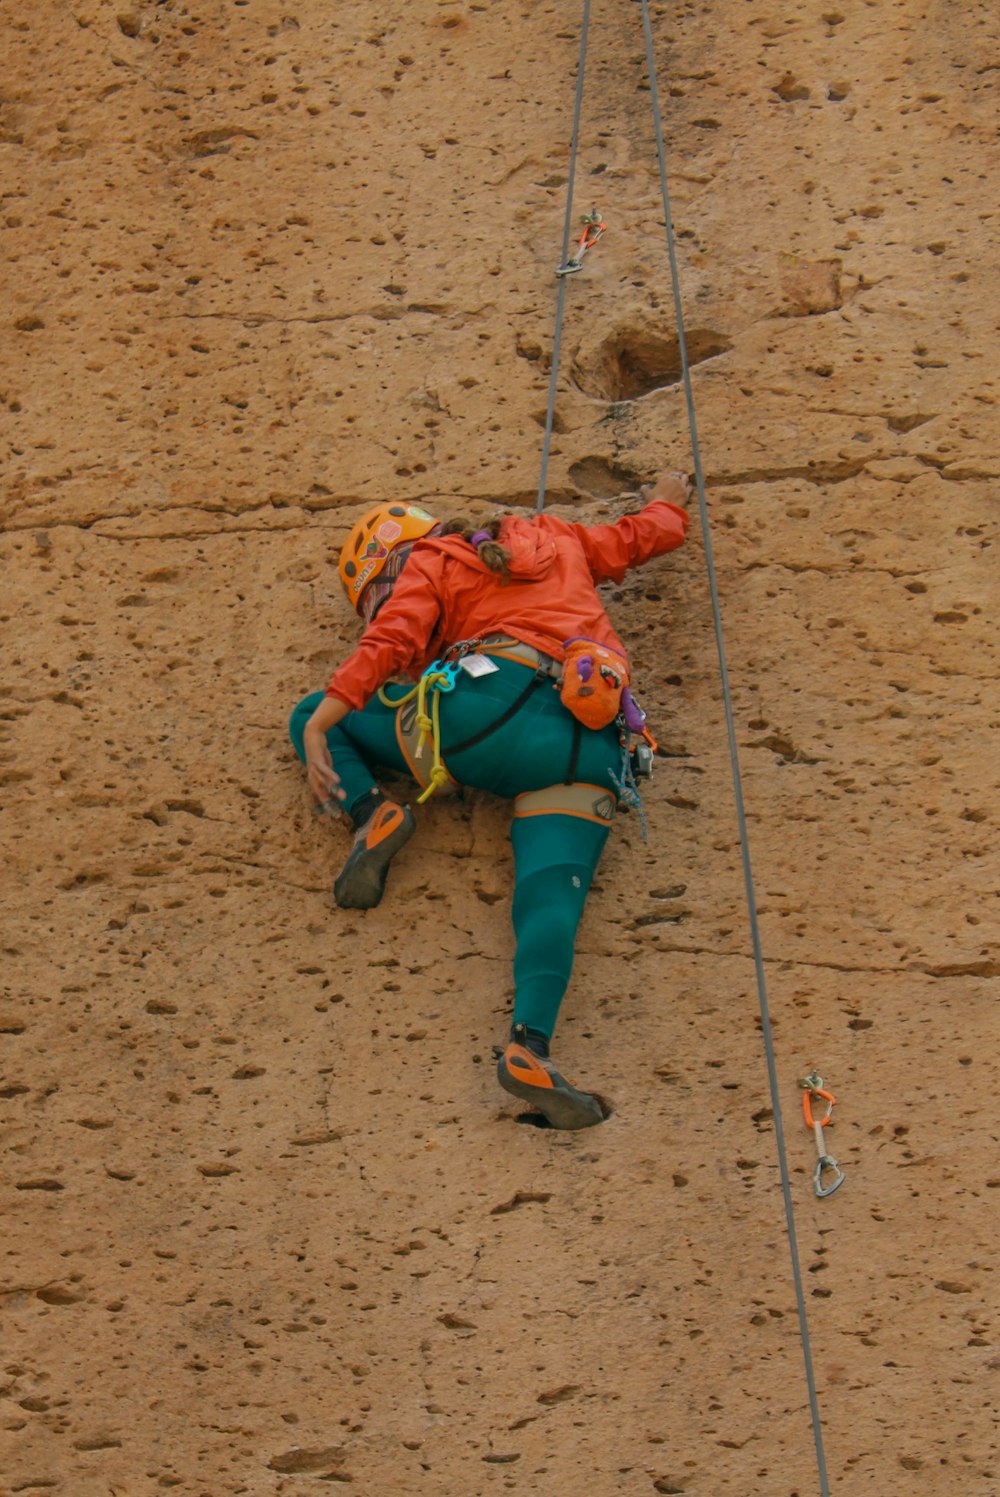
(827, 1176)
(594, 228)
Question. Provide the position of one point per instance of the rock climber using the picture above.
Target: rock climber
(522, 691)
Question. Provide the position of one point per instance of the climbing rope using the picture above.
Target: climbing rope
(437, 678)
(564, 261)
(737, 779)
(440, 676)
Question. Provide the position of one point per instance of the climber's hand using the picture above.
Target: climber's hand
(323, 779)
(666, 487)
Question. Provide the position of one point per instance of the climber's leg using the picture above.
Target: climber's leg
(556, 852)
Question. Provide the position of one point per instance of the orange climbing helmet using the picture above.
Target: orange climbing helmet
(366, 552)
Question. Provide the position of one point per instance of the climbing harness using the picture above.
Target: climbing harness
(594, 228)
(425, 726)
(827, 1176)
(505, 647)
(766, 1026)
(575, 798)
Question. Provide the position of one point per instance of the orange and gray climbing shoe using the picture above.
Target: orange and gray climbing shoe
(535, 1080)
(359, 884)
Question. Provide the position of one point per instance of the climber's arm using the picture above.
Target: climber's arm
(323, 781)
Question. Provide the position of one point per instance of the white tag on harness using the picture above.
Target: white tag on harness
(478, 665)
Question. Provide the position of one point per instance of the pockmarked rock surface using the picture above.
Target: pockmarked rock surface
(269, 1225)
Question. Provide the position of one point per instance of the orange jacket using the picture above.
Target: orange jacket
(446, 594)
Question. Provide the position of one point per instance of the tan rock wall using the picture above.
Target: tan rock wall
(268, 1222)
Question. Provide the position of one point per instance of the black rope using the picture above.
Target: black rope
(505, 717)
(768, 1034)
(581, 68)
(573, 763)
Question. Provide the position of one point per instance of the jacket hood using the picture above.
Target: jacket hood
(532, 551)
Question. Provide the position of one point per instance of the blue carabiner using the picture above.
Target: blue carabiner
(444, 674)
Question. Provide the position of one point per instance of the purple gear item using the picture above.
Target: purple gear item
(585, 668)
(635, 718)
(478, 537)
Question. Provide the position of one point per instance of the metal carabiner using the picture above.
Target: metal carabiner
(827, 1162)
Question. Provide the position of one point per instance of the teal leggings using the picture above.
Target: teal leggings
(555, 854)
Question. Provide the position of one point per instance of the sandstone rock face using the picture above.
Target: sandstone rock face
(268, 1223)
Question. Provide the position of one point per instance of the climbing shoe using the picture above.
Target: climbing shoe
(535, 1079)
(359, 884)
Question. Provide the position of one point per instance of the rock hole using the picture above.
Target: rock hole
(789, 89)
(904, 423)
(635, 360)
(57, 1294)
(82, 879)
(603, 479)
(191, 807)
(558, 424)
(522, 1198)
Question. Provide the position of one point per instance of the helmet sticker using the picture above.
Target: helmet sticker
(389, 531)
(415, 513)
(363, 576)
(375, 548)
